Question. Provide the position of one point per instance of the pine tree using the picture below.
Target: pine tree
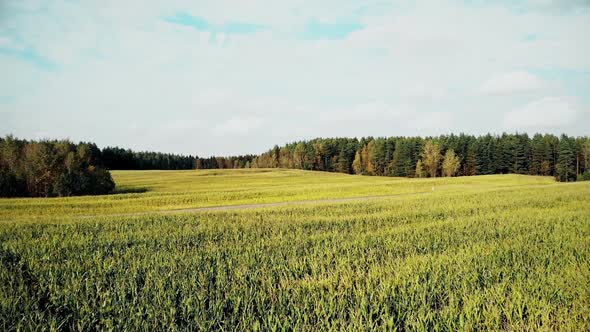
(538, 154)
(484, 149)
(401, 159)
(521, 152)
(566, 160)
(343, 164)
(471, 161)
(586, 155)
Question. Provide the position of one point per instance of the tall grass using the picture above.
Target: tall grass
(164, 190)
(484, 257)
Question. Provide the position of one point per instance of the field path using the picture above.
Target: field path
(254, 206)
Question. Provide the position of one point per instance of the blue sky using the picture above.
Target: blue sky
(226, 77)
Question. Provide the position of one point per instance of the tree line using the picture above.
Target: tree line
(566, 158)
(62, 168)
(51, 168)
(126, 159)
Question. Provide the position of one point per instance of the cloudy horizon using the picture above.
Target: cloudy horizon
(226, 78)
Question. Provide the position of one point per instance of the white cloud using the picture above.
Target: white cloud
(544, 114)
(5, 42)
(422, 92)
(432, 123)
(411, 71)
(513, 82)
(238, 125)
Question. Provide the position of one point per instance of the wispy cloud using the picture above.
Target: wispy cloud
(28, 55)
(287, 70)
(513, 82)
(547, 113)
(315, 29)
(200, 23)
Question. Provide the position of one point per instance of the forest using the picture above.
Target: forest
(62, 168)
(126, 159)
(566, 158)
(51, 168)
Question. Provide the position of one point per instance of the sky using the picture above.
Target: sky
(234, 77)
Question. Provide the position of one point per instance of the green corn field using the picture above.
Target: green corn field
(499, 252)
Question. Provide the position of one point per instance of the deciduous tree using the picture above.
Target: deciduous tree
(431, 157)
(451, 163)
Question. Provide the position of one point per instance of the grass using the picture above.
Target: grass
(165, 190)
(479, 253)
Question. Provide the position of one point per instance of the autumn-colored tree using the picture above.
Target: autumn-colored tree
(420, 173)
(356, 164)
(320, 153)
(371, 158)
(364, 159)
(299, 155)
(431, 157)
(451, 163)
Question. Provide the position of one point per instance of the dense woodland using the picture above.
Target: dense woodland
(118, 158)
(51, 168)
(61, 168)
(565, 157)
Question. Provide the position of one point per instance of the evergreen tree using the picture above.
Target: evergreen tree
(520, 146)
(343, 163)
(484, 151)
(566, 160)
(586, 154)
(539, 151)
(401, 159)
(471, 161)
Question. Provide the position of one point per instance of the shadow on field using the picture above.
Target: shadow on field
(127, 190)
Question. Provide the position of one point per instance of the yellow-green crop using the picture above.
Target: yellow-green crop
(478, 253)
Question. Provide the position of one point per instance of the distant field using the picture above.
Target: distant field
(164, 190)
(499, 252)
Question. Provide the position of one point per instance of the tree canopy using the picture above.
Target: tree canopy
(51, 168)
(566, 158)
(62, 168)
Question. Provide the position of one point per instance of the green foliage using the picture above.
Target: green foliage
(431, 157)
(141, 191)
(51, 168)
(565, 169)
(357, 165)
(420, 173)
(397, 156)
(482, 253)
(450, 163)
(584, 176)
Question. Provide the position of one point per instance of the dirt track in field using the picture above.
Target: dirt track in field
(254, 206)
